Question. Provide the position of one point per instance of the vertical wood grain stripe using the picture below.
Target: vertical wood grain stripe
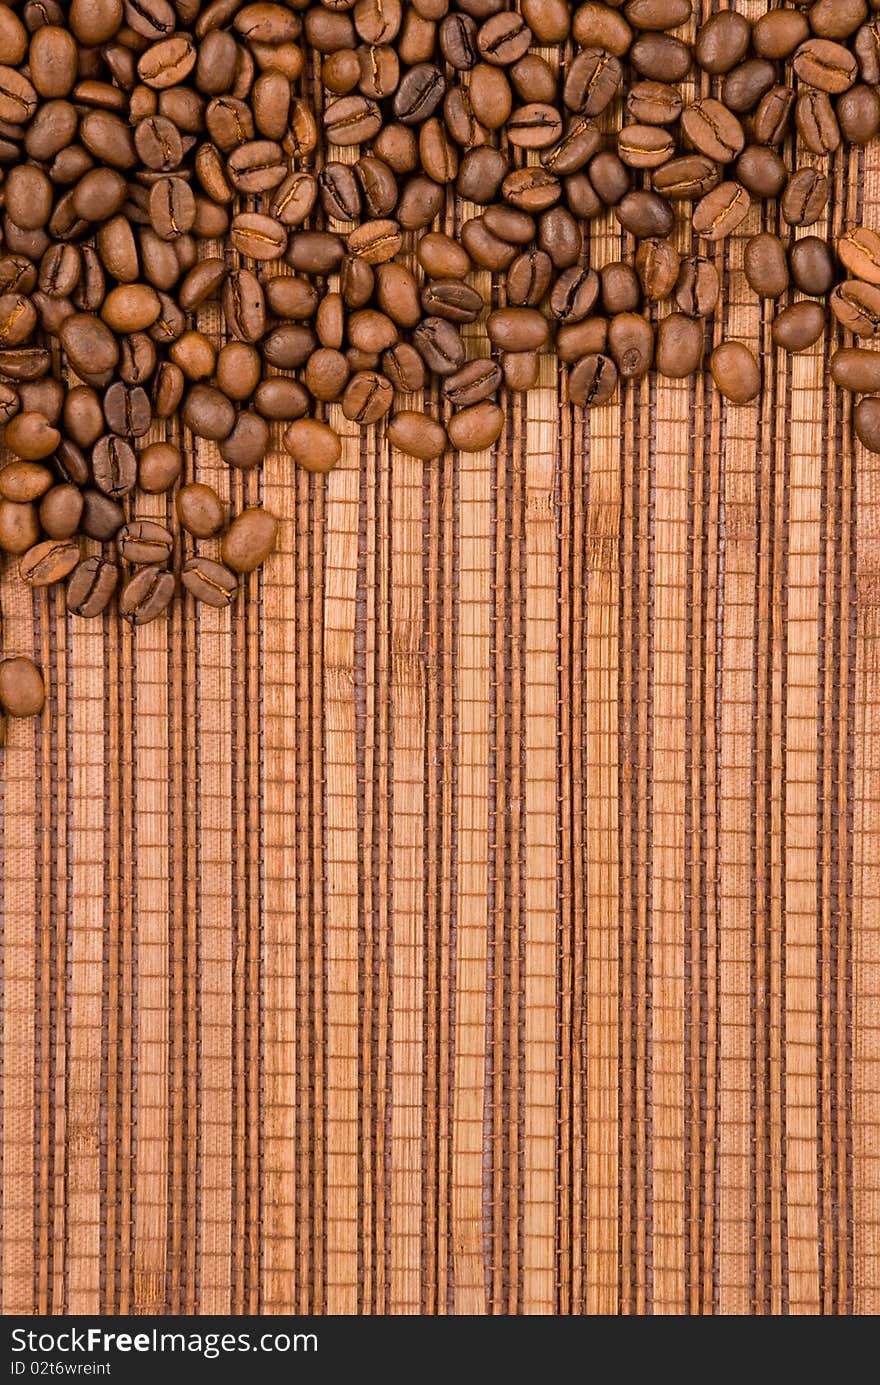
(472, 663)
(805, 496)
(866, 869)
(407, 1034)
(340, 797)
(739, 440)
(87, 792)
(670, 630)
(151, 793)
(280, 894)
(18, 1246)
(541, 693)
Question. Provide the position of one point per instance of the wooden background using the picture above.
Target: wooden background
(485, 915)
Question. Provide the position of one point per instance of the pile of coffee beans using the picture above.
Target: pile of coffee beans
(292, 164)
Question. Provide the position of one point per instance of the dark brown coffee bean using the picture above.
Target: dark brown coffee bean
(533, 79)
(621, 291)
(417, 435)
(631, 344)
(592, 81)
(127, 409)
(168, 62)
(451, 299)
(510, 224)
(762, 171)
(90, 346)
(517, 329)
(646, 214)
(23, 481)
(22, 692)
(805, 198)
(480, 174)
(660, 57)
(653, 103)
(592, 380)
(258, 166)
(375, 242)
(476, 381)
(777, 34)
(645, 146)
(159, 466)
(866, 417)
(657, 264)
(530, 189)
(745, 85)
(713, 130)
(405, 368)
(144, 541)
(857, 370)
(576, 339)
(146, 595)
(208, 413)
(457, 36)
(798, 326)
(378, 186)
(114, 466)
(17, 319)
(48, 562)
(484, 248)
(772, 116)
(18, 99)
(766, 266)
(367, 398)
(477, 427)
(721, 211)
(858, 114)
(167, 389)
(490, 99)
(689, 177)
(736, 372)
(91, 587)
(856, 305)
(200, 510)
(27, 363)
(209, 581)
(30, 435)
(680, 342)
(253, 534)
(314, 252)
(859, 252)
(816, 122)
(528, 278)
(535, 126)
(503, 38)
(60, 511)
(812, 266)
(417, 97)
(575, 147)
(574, 294)
(560, 236)
(825, 65)
(244, 306)
(722, 42)
(597, 26)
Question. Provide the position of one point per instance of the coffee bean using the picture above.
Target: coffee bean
(680, 343)
(503, 38)
(476, 381)
(91, 586)
(102, 517)
(592, 380)
(856, 306)
(798, 326)
(653, 103)
(657, 264)
(812, 265)
(258, 236)
(114, 466)
(368, 397)
(816, 122)
(645, 146)
(766, 266)
(200, 510)
(631, 345)
(574, 294)
(413, 433)
(417, 97)
(19, 527)
(251, 536)
(22, 692)
(442, 257)
(24, 481)
(858, 114)
(592, 81)
(127, 409)
(621, 290)
(576, 339)
(405, 367)
(721, 211)
(771, 118)
(144, 541)
(313, 445)
(691, 176)
(745, 85)
(736, 372)
(476, 427)
(439, 344)
(825, 65)
(209, 581)
(859, 253)
(857, 370)
(30, 436)
(60, 511)
(646, 214)
(866, 418)
(661, 57)
(48, 562)
(247, 444)
(713, 130)
(805, 197)
(517, 329)
(146, 595)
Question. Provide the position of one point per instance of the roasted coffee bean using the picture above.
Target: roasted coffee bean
(856, 305)
(592, 380)
(576, 339)
(144, 541)
(680, 343)
(476, 427)
(689, 177)
(771, 118)
(367, 397)
(798, 326)
(417, 97)
(528, 278)
(451, 299)
(252, 535)
(645, 146)
(592, 81)
(859, 253)
(91, 586)
(574, 294)
(736, 372)
(858, 114)
(766, 266)
(713, 130)
(805, 198)
(48, 562)
(31, 436)
(247, 444)
(653, 103)
(19, 527)
(244, 305)
(405, 367)
(439, 344)
(646, 214)
(209, 581)
(631, 344)
(825, 65)
(200, 510)
(146, 595)
(114, 466)
(577, 144)
(517, 329)
(476, 381)
(101, 516)
(621, 290)
(745, 85)
(530, 189)
(281, 399)
(442, 257)
(722, 42)
(24, 481)
(60, 511)
(812, 265)
(761, 171)
(857, 370)
(866, 418)
(657, 264)
(413, 433)
(22, 691)
(817, 123)
(159, 466)
(597, 26)
(721, 211)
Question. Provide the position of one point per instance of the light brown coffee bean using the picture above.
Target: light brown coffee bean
(22, 691)
(209, 581)
(592, 380)
(857, 370)
(631, 344)
(60, 511)
(859, 252)
(416, 434)
(24, 481)
(477, 427)
(313, 445)
(721, 211)
(798, 326)
(856, 306)
(249, 540)
(48, 562)
(146, 595)
(159, 466)
(200, 510)
(736, 372)
(91, 586)
(19, 526)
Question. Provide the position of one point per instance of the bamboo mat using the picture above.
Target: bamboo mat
(485, 916)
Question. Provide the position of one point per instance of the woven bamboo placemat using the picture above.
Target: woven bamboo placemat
(485, 916)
